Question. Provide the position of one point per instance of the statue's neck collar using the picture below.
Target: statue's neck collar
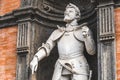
(72, 28)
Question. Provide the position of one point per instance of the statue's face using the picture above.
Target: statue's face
(69, 15)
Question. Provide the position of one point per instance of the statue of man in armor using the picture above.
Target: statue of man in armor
(71, 41)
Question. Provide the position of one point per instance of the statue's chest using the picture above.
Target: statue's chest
(68, 39)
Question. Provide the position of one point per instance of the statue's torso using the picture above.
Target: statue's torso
(71, 53)
(69, 46)
(70, 42)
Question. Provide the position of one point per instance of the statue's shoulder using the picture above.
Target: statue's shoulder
(56, 34)
(78, 32)
(57, 31)
(82, 25)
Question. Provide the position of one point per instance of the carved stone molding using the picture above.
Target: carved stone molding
(52, 11)
(106, 42)
(107, 2)
(117, 3)
(48, 12)
(23, 46)
(28, 41)
(104, 2)
(106, 61)
(106, 23)
(23, 38)
(7, 20)
(22, 69)
(28, 3)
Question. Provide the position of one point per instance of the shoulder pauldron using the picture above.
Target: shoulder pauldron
(57, 34)
(78, 32)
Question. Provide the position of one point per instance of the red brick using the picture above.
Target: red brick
(117, 23)
(8, 40)
(7, 6)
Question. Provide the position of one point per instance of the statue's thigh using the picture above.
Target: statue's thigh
(79, 77)
(57, 72)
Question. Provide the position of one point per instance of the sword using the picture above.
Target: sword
(90, 75)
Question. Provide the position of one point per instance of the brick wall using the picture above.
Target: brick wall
(8, 38)
(7, 6)
(117, 23)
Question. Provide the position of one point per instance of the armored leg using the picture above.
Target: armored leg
(57, 71)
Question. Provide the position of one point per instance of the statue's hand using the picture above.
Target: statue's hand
(34, 65)
(85, 30)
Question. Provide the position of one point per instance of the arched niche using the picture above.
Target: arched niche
(51, 13)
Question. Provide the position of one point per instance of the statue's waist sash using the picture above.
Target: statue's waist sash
(76, 65)
(70, 55)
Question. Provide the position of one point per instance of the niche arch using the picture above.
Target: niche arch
(51, 13)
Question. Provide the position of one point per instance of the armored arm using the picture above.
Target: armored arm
(43, 52)
(89, 42)
(45, 49)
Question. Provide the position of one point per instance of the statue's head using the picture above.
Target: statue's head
(71, 13)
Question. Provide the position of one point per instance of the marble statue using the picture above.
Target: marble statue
(71, 41)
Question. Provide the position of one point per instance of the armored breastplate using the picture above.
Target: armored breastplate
(69, 46)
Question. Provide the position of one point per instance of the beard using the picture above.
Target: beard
(67, 18)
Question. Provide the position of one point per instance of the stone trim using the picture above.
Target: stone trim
(106, 42)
